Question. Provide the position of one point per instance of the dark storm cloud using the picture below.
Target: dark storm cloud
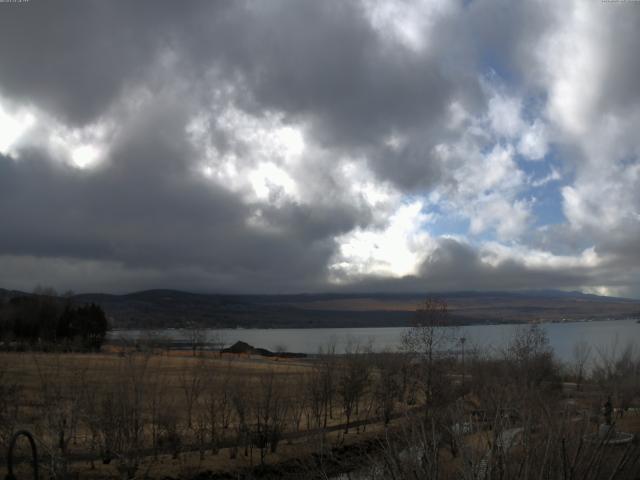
(74, 57)
(456, 265)
(354, 88)
(454, 260)
(323, 61)
(320, 62)
(147, 209)
(622, 65)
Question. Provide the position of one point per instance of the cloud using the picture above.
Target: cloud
(304, 146)
(395, 250)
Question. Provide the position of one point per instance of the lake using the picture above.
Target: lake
(602, 335)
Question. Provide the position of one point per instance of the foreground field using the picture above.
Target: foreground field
(153, 414)
(168, 413)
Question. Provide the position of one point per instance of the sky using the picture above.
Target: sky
(306, 146)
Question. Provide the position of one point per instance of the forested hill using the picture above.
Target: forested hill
(170, 308)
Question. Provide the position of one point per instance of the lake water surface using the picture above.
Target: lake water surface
(601, 335)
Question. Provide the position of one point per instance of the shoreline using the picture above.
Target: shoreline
(302, 327)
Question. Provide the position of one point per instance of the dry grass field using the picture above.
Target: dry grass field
(123, 413)
(167, 413)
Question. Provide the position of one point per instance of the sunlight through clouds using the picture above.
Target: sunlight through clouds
(270, 182)
(80, 148)
(256, 155)
(13, 125)
(396, 250)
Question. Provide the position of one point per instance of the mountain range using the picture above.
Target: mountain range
(173, 308)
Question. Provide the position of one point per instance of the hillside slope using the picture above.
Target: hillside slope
(170, 308)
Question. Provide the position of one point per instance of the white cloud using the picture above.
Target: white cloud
(552, 176)
(504, 115)
(605, 204)
(485, 188)
(510, 219)
(571, 62)
(505, 119)
(396, 250)
(407, 23)
(533, 143)
(13, 126)
(85, 155)
(360, 186)
(258, 156)
(495, 253)
(268, 161)
(271, 183)
(482, 179)
(82, 147)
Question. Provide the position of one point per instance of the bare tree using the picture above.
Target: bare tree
(581, 355)
(325, 387)
(217, 406)
(192, 383)
(121, 413)
(298, 400)
(387, 385)
(196, 336)
(216, 339)
(269, 414)
(10, 400)
(280, 348)
(316, 392)
(60, 394)
(617, 371)
(428, 339)
(158, 401)
(241, 406)
(530, 356)
(352, 381)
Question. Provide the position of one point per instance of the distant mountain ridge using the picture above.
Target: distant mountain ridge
(171, 308)
(174, 308)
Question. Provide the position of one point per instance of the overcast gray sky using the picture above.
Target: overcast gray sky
(303, 146)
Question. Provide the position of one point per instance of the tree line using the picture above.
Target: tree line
(44, 320)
